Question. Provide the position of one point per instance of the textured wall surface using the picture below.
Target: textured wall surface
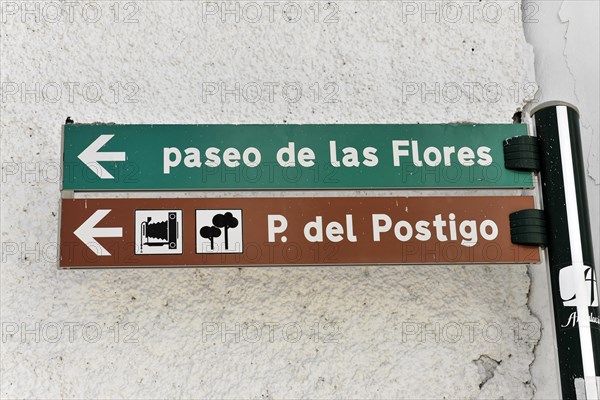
(336, 332)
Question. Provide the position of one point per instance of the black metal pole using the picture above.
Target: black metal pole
(570, 251)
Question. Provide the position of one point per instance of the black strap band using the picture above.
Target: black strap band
(522, 153)
(528, 227)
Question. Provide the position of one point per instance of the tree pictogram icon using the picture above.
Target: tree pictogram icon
(210, 233)
(225, 221)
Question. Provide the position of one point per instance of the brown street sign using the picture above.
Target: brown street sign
(140, 232)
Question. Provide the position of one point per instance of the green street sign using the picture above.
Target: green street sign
(238, 157)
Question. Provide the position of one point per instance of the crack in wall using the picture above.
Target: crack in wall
(592, 155)
(564, 50)
(535, 345)
(486, 366)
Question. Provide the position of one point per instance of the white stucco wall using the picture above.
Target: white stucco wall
(355, 62)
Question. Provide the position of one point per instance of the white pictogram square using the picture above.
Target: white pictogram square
(158, 232)
(219, 231)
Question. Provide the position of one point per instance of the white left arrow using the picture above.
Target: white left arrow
(91, 156)
(88, 232)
